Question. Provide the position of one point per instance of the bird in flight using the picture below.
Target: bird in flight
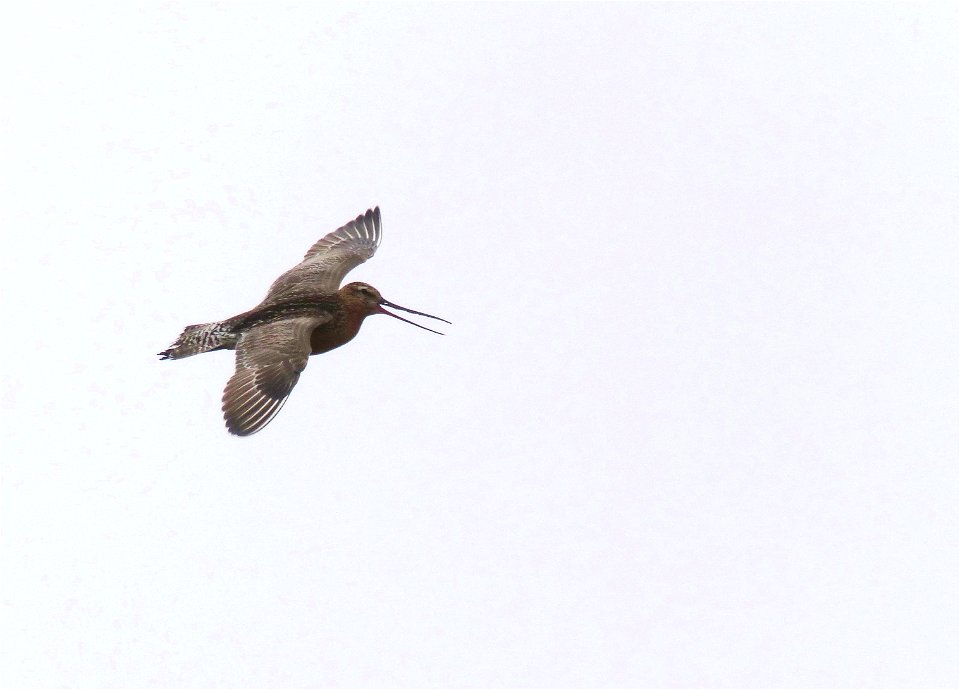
(305, 312)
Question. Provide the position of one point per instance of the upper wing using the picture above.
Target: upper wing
(270, 358)
(331, 258)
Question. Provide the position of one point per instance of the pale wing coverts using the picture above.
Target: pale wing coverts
(270, 358)
(330, 259)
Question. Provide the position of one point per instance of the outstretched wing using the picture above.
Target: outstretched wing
(270, 358)
(331, 258)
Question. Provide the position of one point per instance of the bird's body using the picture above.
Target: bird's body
(303, 314)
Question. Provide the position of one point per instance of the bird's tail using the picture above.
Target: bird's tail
(201, 337)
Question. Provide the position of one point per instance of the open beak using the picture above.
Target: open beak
(411, 311)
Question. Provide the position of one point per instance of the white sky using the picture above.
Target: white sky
(695, 423)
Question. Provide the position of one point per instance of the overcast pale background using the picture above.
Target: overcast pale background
(695, 423)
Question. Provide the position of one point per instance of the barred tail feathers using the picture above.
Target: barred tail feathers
(201, 337)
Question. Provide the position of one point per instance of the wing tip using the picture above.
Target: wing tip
(251, 421)
(374, 229)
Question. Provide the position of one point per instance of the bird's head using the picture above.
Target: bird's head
(368, 301)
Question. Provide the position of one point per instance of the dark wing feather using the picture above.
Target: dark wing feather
(270, 358)
(330, 259)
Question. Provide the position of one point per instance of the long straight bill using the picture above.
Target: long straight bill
(411, 311)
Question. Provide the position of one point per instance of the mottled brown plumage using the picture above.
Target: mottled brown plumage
(303, 314)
